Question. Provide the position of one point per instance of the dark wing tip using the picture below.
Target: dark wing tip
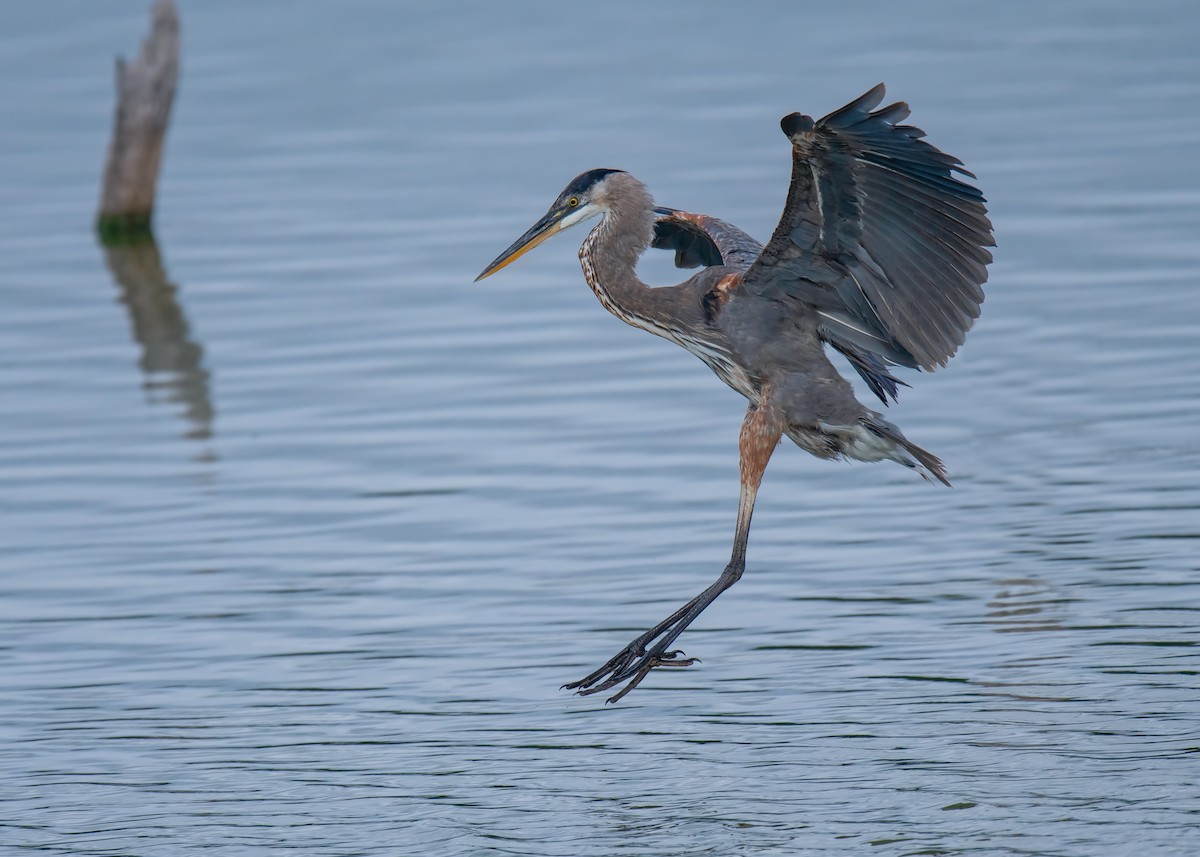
(856, 110)
(796, 123)
(869, 193)
(893, 113)
(873, 97)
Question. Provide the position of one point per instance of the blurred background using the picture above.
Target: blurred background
(301, 530)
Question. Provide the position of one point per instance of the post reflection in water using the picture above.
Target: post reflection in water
(171, 361)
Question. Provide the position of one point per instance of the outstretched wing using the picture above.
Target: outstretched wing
(702, 240)
(878, 235)
(698, 239)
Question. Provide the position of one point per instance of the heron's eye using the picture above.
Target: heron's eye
(573, 201)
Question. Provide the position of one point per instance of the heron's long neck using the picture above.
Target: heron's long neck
(609, 258)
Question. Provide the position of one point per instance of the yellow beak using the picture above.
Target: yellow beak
(550, 223)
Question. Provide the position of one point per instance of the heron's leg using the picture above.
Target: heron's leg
(761, 430)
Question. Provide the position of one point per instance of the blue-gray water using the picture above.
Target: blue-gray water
(295, 556)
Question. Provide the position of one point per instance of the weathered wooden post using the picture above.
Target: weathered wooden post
(145, 90)
(171, 359)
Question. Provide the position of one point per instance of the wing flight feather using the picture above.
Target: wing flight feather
(878, 234)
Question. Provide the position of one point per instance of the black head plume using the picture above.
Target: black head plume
(584, 182)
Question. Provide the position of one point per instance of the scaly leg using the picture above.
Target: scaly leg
(761, 430)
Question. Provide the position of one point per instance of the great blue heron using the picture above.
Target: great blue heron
(880, 253)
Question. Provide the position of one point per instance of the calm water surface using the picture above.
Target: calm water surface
(301, 531)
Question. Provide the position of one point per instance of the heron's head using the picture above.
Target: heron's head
(586, 196)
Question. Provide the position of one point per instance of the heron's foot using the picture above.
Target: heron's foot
(632, 664)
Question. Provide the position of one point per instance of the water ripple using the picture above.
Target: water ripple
(302, 531)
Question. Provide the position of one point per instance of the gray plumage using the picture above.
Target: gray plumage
(700, 239)
(880, 253)
(878, 235)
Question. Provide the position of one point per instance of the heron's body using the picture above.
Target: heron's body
(766, 350)
(880, 254)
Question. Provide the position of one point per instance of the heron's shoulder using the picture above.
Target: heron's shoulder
(712, 288)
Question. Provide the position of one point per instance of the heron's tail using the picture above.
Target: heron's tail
(908, 453)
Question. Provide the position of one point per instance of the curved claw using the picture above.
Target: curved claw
(667, 659)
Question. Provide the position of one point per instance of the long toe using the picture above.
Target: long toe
(615, 665)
